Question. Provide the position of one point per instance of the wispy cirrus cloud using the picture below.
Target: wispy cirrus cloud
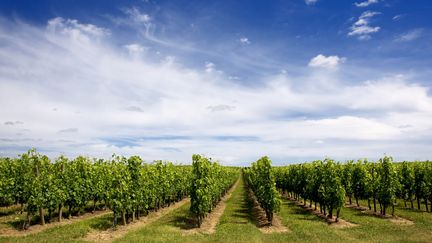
(75, 29)
(362, 28)
(310, 2)
(410, 35)
(137, 16)
(365, 3)
(398, 17)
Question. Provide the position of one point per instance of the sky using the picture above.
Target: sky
(295, 80)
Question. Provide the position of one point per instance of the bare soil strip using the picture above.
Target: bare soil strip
(120, 231)
(39, 228)
(394, 219)
(340, 224)
(210, 222)
(262, 223)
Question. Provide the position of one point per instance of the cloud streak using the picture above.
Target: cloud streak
(366, 3)
(311, 2)
(410, 35)
(13, 123)
(68, 130)
(362, 28)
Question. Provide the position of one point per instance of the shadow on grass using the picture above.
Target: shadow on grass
(412, 210)
(299, 210)
(249, 205)
(184, 221)
(18, 224)
(101, 223)
(35, 220)
(7, 213)
(9, 210)
(240, 215)
(378, 216)
(244, 211)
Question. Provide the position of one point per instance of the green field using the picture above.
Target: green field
(238, 225)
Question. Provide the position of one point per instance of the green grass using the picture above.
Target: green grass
(237, 225)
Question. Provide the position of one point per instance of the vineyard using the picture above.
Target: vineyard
(382, 184)
(127, 199)
(126, 186)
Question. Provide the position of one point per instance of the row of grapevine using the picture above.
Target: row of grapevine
(318, 182)
(328, 183)
(259, 177)
(375, 182)
(128, 187)
(210, 181)
(415, 183)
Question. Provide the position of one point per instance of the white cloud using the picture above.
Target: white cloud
(134, 48)
(351, 127)
(361, 27)
(135, 18)
(398, 17)
(209, 67)
(244, 40)
(396, 92)
(158, 108)
(136, 15)
(329, 62)
(310, 2)
(366, 3)
(71, 26)
(76, 30)
(410, 35)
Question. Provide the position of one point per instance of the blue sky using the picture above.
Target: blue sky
(295, 80)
